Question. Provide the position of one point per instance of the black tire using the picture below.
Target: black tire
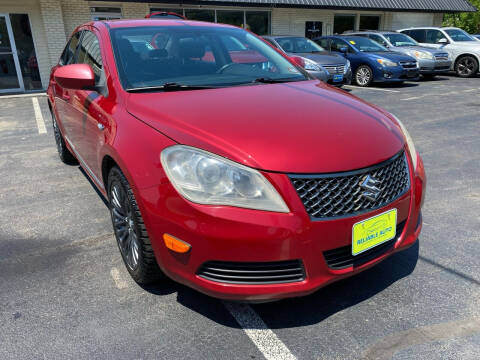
(65, 155)
(429, 76)
(364, 76)
(130, 232)
(466, 66)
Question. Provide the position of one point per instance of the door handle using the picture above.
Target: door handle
(100, 126)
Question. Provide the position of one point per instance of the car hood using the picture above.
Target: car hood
(322, 58)
(417, 48)
(392, 55)
(297, 127)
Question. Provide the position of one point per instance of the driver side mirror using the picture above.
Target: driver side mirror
(443, 41)
(75, 76)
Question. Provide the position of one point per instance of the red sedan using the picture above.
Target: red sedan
(245, 180)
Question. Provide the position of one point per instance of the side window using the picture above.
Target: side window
(89, 53)
(418, 35)
(433, 36)
(338, 44)
(378, 39)
(68, 54)
(324, 43)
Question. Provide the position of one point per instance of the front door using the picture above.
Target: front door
(10, 73)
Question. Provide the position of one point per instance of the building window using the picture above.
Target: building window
(258, 22)
(369, 22)
(231, 17)
(99, 13)
(200, 15)
(343, 22)
(313, 29)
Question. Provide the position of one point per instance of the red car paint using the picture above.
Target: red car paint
(302, 127)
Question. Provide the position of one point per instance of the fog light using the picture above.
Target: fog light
(387, 75)
(175, 244)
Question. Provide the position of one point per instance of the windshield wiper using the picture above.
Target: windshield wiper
(267, 80)
(170, 87)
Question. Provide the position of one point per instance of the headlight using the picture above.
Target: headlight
(423, 55)
(206, 178)
(311, 65)
(387, 63)
(347, 67)
(410, 144)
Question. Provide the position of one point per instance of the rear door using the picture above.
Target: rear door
(90, 119)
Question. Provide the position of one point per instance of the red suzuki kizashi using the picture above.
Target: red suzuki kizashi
(225, 166)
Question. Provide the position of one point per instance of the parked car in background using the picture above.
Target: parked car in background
(226, 176)
(370, 61)
(464, 50)
(431, 61)
(315, 58)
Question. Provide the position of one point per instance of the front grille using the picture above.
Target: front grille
(335, 69)
(441, 56)
(252, 273)
(341, 258)
(328, 196)
(408, 64)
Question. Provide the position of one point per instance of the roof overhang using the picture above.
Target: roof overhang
(437, 6)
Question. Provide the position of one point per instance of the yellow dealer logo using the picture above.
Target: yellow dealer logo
(374, 231)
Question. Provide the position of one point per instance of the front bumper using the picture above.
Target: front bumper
(429, 67)
(396, 73)
(228, 234)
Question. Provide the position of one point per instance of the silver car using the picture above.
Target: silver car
(431, 61)
(463, 49)
(315, 58)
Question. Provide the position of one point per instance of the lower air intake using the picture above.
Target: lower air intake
(252, 273)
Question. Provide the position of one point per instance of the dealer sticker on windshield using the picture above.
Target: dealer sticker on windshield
(374, 231)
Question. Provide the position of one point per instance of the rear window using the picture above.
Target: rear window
(418, 35)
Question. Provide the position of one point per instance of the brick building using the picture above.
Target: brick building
(34, 32)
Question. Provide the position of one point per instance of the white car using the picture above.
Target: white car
(463, 49)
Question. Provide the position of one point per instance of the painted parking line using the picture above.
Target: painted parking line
(271, 347)
(119, 282)
(370, 88)
(39, 117)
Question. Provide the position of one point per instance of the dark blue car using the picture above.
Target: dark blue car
(370, 61)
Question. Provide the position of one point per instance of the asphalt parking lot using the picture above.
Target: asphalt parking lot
(65, 293)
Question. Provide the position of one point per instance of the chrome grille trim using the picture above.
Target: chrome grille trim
(339, 195)
(441, 56)
(408, 64)
(335, 68)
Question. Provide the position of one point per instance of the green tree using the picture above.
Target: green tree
(470, 22)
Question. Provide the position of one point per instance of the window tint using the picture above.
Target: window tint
(324, 43)
(433, 36)
(378, 39)
(89, 53)
(418, 35)
(459, 35)
(69, 52)
(338, 44)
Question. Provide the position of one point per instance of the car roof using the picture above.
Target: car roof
(122, 23)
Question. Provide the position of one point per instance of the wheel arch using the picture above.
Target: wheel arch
(477, 57)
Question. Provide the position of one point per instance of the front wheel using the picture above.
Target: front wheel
(364, 76)
(130, 232)
(466, 66)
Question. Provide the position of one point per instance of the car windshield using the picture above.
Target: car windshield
(184, 56)
(459, 35)
(365, 45)
(298, 45)
(400, 40)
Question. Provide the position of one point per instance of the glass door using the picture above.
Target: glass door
(10, 79)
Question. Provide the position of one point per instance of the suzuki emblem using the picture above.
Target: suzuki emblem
(372, 192)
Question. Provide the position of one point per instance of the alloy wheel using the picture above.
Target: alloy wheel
(466, 66)
(124, 225)
(363, 76)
